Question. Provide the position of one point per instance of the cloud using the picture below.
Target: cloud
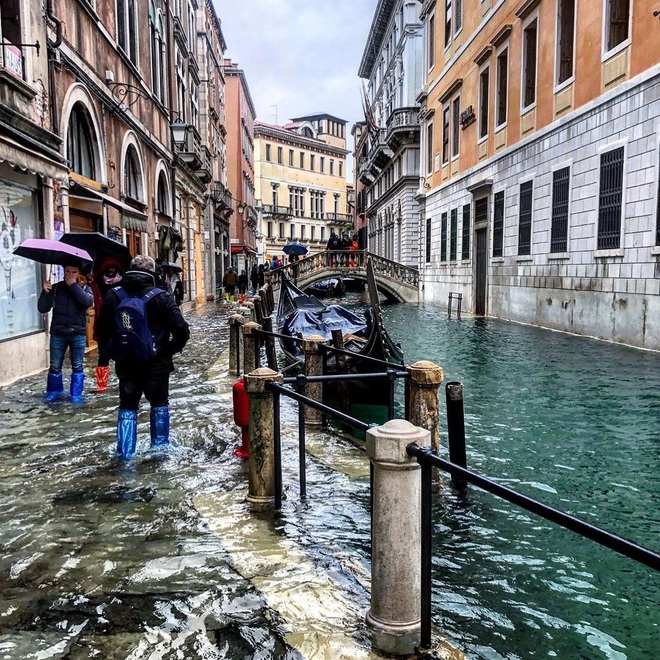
(299, 55)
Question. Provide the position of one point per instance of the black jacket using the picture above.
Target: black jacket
(165, 321)
(69, 305)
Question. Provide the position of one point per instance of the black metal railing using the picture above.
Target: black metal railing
(461, 476)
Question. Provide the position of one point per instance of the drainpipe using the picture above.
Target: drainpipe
(52, 47)
(170, 68)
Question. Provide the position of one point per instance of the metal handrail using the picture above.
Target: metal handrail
(366, 358)
(426, 458)
(328, 378)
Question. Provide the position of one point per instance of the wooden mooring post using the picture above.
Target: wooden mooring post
(250, 347)
(236, 322)
(424, 406)
(313, 367)
(271, 353)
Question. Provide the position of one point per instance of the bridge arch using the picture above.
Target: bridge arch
(398, 283)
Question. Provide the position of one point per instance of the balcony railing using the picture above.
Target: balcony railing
(272, 210)
(190, 152)
(221, 195)
(339, 218)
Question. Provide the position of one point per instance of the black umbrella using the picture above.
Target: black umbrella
(100, 247)
(173, 266)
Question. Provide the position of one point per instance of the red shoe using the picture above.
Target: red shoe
(102, 377)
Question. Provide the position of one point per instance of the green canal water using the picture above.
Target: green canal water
(574, 423)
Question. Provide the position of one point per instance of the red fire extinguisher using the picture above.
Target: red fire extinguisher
(242, 416)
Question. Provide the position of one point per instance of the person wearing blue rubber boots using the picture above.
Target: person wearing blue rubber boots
(169, 333)
(69, 301)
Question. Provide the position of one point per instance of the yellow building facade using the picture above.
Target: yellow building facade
(301, 188)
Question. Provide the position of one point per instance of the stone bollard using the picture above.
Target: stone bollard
(250, 344)
(261, 464)
(395, 612)
(235, 323)
(425, 379)
(313, 367)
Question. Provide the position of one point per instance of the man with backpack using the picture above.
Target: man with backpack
(141, 327)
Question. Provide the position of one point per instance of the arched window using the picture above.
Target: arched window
(80, 141)
(162, 198)
(132, 175)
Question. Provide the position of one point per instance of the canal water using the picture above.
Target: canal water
(160, 558)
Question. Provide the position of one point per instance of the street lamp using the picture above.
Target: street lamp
(240, 208)
(179, 132)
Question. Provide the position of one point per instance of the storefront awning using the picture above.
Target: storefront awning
(30, 161)
(81, 191)
(239, 249)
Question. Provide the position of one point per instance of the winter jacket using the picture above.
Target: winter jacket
(69, 305)
(165, 320)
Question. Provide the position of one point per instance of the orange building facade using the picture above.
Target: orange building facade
(540, 126)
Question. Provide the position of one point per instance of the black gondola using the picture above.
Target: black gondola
(330, 288)
(301, 314)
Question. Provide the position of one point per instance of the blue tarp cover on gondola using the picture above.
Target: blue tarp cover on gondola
(333, 317)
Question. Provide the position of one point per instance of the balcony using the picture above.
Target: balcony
(180, 33)
(273, 211)
(204, 170)
(339, 219)
(402, 127)
(191, 152)
(222, 198)
(381, 153)
(364, 174)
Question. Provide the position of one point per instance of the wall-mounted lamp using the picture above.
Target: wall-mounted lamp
(240, 208)
(179, 132)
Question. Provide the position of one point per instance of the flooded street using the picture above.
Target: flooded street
(159, 558)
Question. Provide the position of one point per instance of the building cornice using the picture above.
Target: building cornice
(264, 130)
(376, 35)
(232, 70)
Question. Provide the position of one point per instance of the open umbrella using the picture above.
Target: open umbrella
(170, 264)
(294, 248)
(46, 251)
(100, 247)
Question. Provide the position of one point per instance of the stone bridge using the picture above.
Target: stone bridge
(394, 280)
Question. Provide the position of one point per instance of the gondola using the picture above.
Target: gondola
(299, 314)
(330, 288)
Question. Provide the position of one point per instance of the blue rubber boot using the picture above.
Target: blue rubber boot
(126, 434)
(160, 426)
(77, 383)
(54, 387)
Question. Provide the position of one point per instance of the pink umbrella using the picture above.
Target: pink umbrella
(46, 251)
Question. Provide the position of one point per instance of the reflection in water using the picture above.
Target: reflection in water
(142, 560)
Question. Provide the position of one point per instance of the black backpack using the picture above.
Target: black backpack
(133, 341)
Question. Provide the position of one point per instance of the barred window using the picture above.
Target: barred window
(453, 235)
(525, 218)
(443, 238)
(609, 199)
(498, 224)
(559, 228)
(465, 239)
(428, 240)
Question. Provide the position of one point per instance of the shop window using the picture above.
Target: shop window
(20, 279)
(80, 140)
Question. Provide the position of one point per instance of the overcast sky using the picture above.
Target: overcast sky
(299, 55)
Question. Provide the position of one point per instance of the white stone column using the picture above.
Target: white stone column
(395, 613)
